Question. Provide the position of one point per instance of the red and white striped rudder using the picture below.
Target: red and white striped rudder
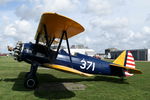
(129, 63)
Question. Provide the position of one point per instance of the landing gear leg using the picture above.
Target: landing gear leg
(31, 80)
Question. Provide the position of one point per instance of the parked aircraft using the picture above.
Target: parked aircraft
(53, 26)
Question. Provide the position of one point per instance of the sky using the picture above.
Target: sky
(121, 24)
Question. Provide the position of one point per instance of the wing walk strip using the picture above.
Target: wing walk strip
(67, 69)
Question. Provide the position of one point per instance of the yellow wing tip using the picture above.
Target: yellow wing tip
(88, 75)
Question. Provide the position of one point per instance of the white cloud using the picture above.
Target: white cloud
(27, 13)
(10, 31)
(58, 5)
(19, 30)
(108, 29)
(108, 23)
(147, 17)
(146, 29)
(4, 1)
(116, 32)
(34, 8)
(111, 25)
(99, 7)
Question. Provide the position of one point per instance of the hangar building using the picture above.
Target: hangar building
(138, 54)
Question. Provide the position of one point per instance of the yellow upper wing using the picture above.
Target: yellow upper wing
(56, 24)
(67, 69)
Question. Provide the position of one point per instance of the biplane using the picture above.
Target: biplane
(54, 27)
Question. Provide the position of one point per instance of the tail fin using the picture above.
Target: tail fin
(126, 59)
(121, 59)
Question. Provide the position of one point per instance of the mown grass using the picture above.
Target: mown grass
(97, 88)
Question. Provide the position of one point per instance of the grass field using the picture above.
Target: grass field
(97, 88)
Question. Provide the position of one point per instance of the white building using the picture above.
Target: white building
(89, 52)
(77, 49)
(81, 49)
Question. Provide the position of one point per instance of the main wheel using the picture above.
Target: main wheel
(31, 82)
(27, 74)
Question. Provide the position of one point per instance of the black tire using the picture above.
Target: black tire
(27, 74)
(30, 82)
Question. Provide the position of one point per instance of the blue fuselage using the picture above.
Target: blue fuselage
(38, 53)
(84, 63)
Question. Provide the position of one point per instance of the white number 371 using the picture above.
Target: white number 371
(87, 65)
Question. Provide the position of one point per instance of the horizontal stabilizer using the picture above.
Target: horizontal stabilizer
(129, 69)
(67, 69)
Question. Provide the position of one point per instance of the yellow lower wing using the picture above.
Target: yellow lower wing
(130, 70)
(67, 69)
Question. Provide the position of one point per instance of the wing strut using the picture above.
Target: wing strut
(50, 42)
(37, 39)
(46, 35)
(68, 46)
(64, 34)
(60, 43)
